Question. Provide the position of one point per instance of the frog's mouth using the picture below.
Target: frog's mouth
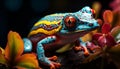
(83, 32)
(88, 30)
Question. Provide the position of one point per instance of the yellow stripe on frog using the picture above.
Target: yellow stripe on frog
(46, 22)
(42, 30)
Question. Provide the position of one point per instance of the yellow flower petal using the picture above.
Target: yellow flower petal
(97, 7)
(2, 50)
(14, 46)
(27, 61)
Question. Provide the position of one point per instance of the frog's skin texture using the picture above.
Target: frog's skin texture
(54, 31)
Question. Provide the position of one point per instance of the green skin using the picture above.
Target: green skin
(74, 25)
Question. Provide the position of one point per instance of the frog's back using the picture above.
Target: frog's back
(48, 25)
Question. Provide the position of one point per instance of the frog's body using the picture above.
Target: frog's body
(54, 31)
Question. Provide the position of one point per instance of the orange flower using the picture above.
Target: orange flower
(2, 50)
(13, 56)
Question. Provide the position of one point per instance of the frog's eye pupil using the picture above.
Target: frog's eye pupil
(70, 21)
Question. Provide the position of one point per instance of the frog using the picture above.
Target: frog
(55, 31)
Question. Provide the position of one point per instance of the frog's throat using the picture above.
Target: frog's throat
(78, 33)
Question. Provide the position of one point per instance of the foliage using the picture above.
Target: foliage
(108, 37)
(13, 57)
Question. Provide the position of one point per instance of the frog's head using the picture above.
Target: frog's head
(82, 20)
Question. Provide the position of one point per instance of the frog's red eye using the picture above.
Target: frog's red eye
(70, 21)
(93, 11)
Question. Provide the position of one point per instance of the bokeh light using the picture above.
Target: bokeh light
(39, 5)
(13, 5)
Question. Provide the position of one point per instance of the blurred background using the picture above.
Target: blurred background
(20, 15)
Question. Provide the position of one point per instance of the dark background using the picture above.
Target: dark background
(20, 15)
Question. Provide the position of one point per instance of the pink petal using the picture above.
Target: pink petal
(110, 40)
(106, 28)
(115, 4)
(102, 41)
(96, 36)
(92, 46)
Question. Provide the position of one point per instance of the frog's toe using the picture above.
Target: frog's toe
(52, 66)
(53, 58)
(92, 47)
(56, 64)
(77, 48)
(86, 52)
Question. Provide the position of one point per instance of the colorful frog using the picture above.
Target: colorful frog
(55, 31)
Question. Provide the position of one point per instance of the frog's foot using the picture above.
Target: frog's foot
(92, 47)
(50, 63)
(54, 65)
(77, 48)
(86, 52)
(81, 48)
(53, 58)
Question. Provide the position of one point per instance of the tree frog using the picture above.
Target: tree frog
(55, 31)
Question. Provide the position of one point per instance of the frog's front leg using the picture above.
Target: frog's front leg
(27, 45)
(80, 45)
(40, 50)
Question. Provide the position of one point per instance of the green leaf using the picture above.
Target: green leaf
(116, 19)
(116, 33)
(115, 50)
(65, 48)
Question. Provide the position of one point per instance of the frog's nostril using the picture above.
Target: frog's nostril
(90, 24)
